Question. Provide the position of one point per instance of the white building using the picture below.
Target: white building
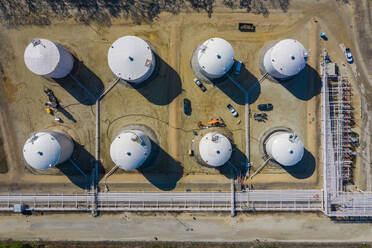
(46, 58)
(214, 58)
(285, 59)
(131, 59)
(46, 149)
(130, 149)
(285, 148)
(215, 149)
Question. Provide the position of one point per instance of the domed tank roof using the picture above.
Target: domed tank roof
(215, 149)
(130, 149)
(42, 151)
(131, 58)
(216, 56)
(289, 57)
(41, 56)
(287, 149)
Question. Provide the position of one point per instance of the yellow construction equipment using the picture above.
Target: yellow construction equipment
(216, 122)
(48, 110)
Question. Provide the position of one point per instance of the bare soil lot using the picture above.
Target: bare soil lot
(158, 104)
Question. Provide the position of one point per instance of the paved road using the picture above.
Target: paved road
(203, 227)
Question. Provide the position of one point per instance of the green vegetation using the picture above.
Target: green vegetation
(364, 246)
(18, 245)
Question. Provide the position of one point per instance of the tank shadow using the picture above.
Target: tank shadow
(305, 85)
(235, 166)
(163, 85)
(162, 170)
(82, 84)
(86, 162)
(67, 114)
(303, 169)
(246, 79)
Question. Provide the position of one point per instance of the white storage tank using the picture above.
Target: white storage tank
(214, 58)
(130, 149)
(285, 148)
(131, 59)
(46, 58)
(215, 149)
(46, 149)
(285, 59)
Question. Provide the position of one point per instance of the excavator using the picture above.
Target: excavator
(53, 101)
(215, 122)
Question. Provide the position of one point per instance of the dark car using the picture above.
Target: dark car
(261, 117)
(232, 110)
(265, 107)
(199, 84)
(187, 106)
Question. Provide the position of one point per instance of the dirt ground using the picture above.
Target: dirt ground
(158, 104)
(174, 36)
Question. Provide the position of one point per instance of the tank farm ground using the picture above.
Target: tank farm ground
(159, 103)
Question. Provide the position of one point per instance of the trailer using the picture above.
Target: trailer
(246, 27)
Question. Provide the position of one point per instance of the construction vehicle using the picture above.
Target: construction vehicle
(53, 101)
(246, 27)
(216, 122)
(49, 111)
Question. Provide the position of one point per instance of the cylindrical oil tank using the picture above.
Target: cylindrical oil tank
(46, 58)
(214, 58)
(285, 58)
(131, 59)
(284, 147)
(46, 149)
(130, 149)
(215, 149)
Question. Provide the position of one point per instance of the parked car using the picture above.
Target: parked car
(261, 117)
(348, 55)
(238, 67)
(199, 84)
(232, 110)
(323, 36)
(265, 107)
(187, 106)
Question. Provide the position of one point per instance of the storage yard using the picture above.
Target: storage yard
(170, 150)
(150, 105)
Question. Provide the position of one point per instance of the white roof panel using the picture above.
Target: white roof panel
(42, 151)
(41, 56)
(216, 56)
(287, 149)
(130, 149)
(215, 149)
(130, 58)
(289, 57)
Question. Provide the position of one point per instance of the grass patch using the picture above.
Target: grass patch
(18, 245)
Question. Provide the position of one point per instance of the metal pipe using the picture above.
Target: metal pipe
(232, 212)
(260, 168)
(109, 174)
